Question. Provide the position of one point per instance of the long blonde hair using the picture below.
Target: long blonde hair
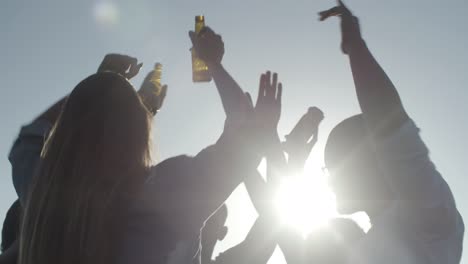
(95, 158)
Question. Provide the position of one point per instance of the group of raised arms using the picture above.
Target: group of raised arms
(88, 193)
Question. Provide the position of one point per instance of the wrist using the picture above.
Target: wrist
(214, 67)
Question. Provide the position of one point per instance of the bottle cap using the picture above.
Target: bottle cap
(199, 18)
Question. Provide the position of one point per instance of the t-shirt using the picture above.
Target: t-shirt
(423, 224)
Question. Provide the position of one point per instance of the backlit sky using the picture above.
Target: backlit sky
(47, 47)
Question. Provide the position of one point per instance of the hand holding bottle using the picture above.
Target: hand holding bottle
(152, 91)
(208, 45)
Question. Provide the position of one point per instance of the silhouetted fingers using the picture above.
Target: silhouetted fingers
(134, 70)
(269, 93)
(335, 11)
(261, 88)
(314, 140)
(206, 32)
(163, 92)
(274, 85)
(279, 93)
(249, 100)
(192, 37)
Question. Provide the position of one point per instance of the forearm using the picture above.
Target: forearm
(230, 92)
(276, 161)
(378, 97)
(257, 191)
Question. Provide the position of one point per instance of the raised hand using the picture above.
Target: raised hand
(122, 64)
(208, 45)
(152, 93)
(350, 30)
(268, 106)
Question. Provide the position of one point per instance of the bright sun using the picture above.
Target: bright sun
(305, 201)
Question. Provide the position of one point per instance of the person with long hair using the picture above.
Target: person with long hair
(96, 156)
(97, 199)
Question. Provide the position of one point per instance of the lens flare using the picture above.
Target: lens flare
(305, 202)
(106, 14)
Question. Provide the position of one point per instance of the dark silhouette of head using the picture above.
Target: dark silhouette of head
(354, 172)
(215, 230)
(94, 159)
(11, 226)
(332, 244)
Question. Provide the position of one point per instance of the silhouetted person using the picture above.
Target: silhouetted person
(75, 188)
(379, 164)
(182, 192)
(259, 244)
(331, 243)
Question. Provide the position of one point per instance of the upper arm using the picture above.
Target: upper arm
(189, 189)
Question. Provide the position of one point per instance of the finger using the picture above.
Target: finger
(205, 32)
(249, 100)
(261, 89)
(163, 93)
(192, 37)
(134, 69)
(275, 84)
(268, 93)
(279, 94)
(314, 140)
(335, 11)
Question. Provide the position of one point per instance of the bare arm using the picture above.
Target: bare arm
(210, 47)
(378, 97)
(408, 170)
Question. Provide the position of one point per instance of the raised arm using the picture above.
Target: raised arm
(378, 98)
(402, 154)
(210, 48)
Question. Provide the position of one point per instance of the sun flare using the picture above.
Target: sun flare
(305, 202)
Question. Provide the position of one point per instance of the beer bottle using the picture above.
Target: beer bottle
(156, 78)
(200, 71)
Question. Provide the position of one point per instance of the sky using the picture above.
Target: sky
(47, 47)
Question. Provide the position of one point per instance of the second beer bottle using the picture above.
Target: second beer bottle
(200, 71)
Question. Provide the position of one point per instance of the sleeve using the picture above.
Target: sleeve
(25, 154)
(427, 202)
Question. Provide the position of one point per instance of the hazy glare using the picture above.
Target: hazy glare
(48, 46)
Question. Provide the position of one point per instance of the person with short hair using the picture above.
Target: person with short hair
(379, 164)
